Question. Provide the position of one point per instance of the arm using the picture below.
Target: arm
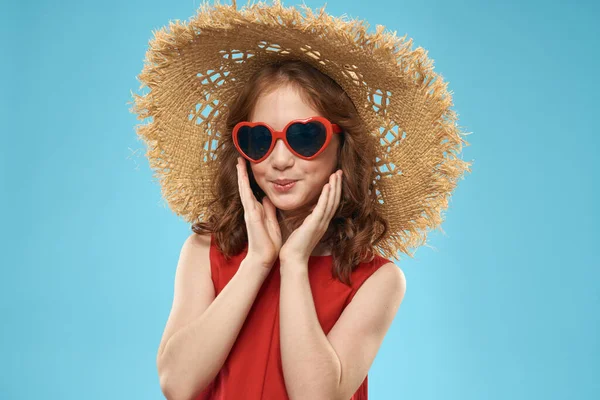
(311, 368)
(317, 366)
(191, 357)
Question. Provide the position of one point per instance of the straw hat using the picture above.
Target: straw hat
(196, 68)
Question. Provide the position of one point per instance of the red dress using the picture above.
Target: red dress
(253, 369)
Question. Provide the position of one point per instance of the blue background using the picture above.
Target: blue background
(504, 306)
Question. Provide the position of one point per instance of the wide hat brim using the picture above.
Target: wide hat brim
(195, 69)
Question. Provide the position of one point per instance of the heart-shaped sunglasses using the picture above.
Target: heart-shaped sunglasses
(306, 138)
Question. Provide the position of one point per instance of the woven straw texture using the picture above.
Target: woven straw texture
(194, 69)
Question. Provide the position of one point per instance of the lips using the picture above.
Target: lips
(283, 181)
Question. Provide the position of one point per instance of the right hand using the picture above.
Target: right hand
(264, 235)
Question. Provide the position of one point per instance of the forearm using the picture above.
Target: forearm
(311, 367)
(194, 355)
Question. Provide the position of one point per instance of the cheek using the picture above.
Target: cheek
(319, 176)
(259, 176)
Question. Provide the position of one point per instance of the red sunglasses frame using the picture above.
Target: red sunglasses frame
(330, 128)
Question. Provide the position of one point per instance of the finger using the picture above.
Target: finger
(273, 225)
(242, 189)
(245, 187)
(237, 172)
(239, 181)
(331, 198)
(321, 207)
(251, 199)
(338, 194)
(269, 210)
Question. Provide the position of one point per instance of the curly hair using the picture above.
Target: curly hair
(356, 227)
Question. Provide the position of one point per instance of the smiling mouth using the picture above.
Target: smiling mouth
(286, 187)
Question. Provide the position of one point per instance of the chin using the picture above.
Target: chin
(284, 205)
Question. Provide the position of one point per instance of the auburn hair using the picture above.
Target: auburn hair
(356, 226)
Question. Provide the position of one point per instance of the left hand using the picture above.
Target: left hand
(302, 241)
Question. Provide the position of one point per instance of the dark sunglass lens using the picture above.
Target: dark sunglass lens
(254, 141)
(306, 139)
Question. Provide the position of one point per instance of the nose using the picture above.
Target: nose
(281, 155)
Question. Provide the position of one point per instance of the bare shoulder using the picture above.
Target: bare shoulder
(194, 261)
(194, 254)
(198, 241)
(392, 271)
(388, 280)
(396, 274)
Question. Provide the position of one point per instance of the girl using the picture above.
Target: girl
(278, 325)
(279, 292)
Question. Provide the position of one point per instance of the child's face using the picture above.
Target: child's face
(277, 109)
